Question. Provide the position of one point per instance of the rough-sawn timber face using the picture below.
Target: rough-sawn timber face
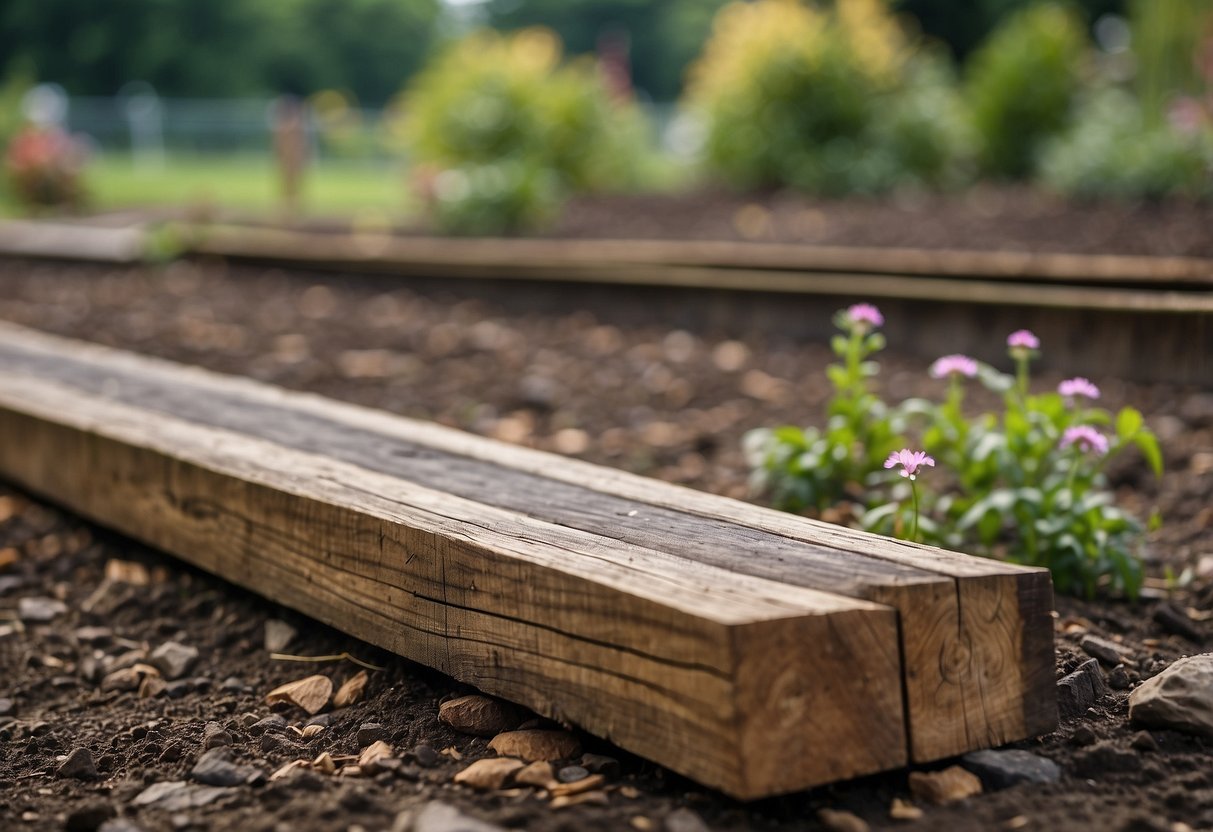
(975, 635)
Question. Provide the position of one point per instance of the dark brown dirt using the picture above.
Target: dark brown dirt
(986, 217)
(570, 379)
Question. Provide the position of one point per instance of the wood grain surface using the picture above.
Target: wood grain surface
(971, 644)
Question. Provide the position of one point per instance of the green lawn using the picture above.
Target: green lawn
(246, 183)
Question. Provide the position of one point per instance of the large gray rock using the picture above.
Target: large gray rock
(1181, 697)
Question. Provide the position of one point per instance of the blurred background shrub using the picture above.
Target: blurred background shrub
(1022, 84)
(830, 97)
(827, 100)
(502, 128)
(43, 166)
(1113, 150)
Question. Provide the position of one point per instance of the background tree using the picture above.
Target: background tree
(219, 47)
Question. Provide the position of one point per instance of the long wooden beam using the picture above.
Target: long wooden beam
(442, 253)
(676, 623)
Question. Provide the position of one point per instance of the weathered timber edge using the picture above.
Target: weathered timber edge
(976, 637)
(639, 648)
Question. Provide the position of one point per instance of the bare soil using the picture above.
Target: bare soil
(670, 404)
(987, 217)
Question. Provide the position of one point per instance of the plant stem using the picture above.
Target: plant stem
(914, 498)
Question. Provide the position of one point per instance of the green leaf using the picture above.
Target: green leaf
(839, 344)
(1147, 443)
(1128, 422)
(879, 518)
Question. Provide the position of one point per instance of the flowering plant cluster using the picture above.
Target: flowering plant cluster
(44, 167)
(1025, 483)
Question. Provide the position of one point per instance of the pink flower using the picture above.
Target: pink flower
(865, 315)
(910, 461)
(1078, 386)
(1023, 339)
(1087, 439)
(960, 365)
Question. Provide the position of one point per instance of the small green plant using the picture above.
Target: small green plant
(500, 130)
(1026, 483)
(1022, 84)
(813, 468)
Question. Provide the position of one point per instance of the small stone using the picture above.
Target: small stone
(179, 689)
(478, 715)
(1119, 679)
(1081, 689)
(943, 787)
(89, 818)
(323, 720)
(127, 572)
(370, 732)
(586, 784)
(177, 796)
(94, 635)
(234, 684)
(571, 774)
(128, 658)
(1144, 741)
(684, 820)
(565, 801)
(79, 764)
(172, 752)
(838, 821)
(436, 816)
(90, 667)
(119, 825)
(288, 770)
(40, 610)
(600, 764)
(351, 690)
(152, 686)
(1083, 736)
(536, 745)
(1003, 769)
(1108, 652)
(1180, 698)
(489, 774)
(273, 722)
(277, 743)
(538, 774)
(1176, 622)
(214, 736)
(173, 659)
(278, 635)
(425, 756)
(311, 694)
(373, 754)
(904, 810)
(215, 768)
